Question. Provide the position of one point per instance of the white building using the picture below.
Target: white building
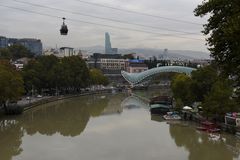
(66, 51)
(113, 64)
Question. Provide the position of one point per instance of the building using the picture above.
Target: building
(66, 51)
(3, 42)
(136, 66)
(51, 51)
(110, 64)
(113, 66)
(108, 46)
(33, 45)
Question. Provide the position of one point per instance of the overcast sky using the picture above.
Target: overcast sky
(20, 24)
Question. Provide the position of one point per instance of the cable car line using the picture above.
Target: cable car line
(139, 13)
(81, 21)
(109, 19)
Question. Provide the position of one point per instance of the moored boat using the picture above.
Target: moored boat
(208, 126)
(159, 109)
(172, 116)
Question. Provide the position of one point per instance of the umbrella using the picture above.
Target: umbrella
(187, 108)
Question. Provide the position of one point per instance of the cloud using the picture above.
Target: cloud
(22, 24)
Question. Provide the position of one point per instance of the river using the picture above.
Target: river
(106, 127)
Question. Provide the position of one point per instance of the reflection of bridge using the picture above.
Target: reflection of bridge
(135, 101)
(137, 78)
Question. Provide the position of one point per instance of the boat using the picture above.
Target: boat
(172, 116)
(165, 100)
(159, 109)
(208, 127)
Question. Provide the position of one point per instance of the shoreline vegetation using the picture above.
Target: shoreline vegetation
(18, 109)
(45, 75)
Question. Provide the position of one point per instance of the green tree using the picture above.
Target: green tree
(49, 73)
(179, 104)
(11, 83)
(223, 28)
(181, 88)
(219, 100)
(202, 81)
(15, 52)
(38, 73)
(97, 77)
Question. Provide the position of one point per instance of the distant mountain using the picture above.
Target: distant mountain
(149, 52)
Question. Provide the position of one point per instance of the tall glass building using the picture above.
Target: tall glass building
(108, 46)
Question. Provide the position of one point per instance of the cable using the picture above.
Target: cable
(75, 20)
(139, 13)
(109, 19)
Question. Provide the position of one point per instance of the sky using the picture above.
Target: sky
(18, 21)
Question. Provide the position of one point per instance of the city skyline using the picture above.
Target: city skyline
(19, 22)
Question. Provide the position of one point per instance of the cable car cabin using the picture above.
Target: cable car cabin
(64, 29)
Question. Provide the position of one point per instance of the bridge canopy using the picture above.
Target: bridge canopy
(137, 78)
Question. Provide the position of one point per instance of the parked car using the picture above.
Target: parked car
(39, 96)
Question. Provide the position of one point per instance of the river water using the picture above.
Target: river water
(107, 127)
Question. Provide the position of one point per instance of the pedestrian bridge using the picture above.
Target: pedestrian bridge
(137, 78)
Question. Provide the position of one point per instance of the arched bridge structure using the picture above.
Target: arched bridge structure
(137, 78)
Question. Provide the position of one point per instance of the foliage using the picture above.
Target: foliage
(202, 81)
(179, 104)
(15, 52)
(49, 73)
(206, 86)
(97, 77)
(11, 83)
(223, 28)
(181, 87)
(219, 100)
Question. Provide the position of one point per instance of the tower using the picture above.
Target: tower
(108, 46)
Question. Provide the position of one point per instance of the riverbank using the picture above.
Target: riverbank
(36, 102)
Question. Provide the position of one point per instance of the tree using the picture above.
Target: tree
(49, 73)
(37, 74)
(15, 52)
(219, 100)
(97, 77)
(181, 88)
(202, 81)
(11, 84)
(223, 28)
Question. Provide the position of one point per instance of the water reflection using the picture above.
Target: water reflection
(201, 146)
(57, 128)
(135, 101)
(68, 118)
(11, 135)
